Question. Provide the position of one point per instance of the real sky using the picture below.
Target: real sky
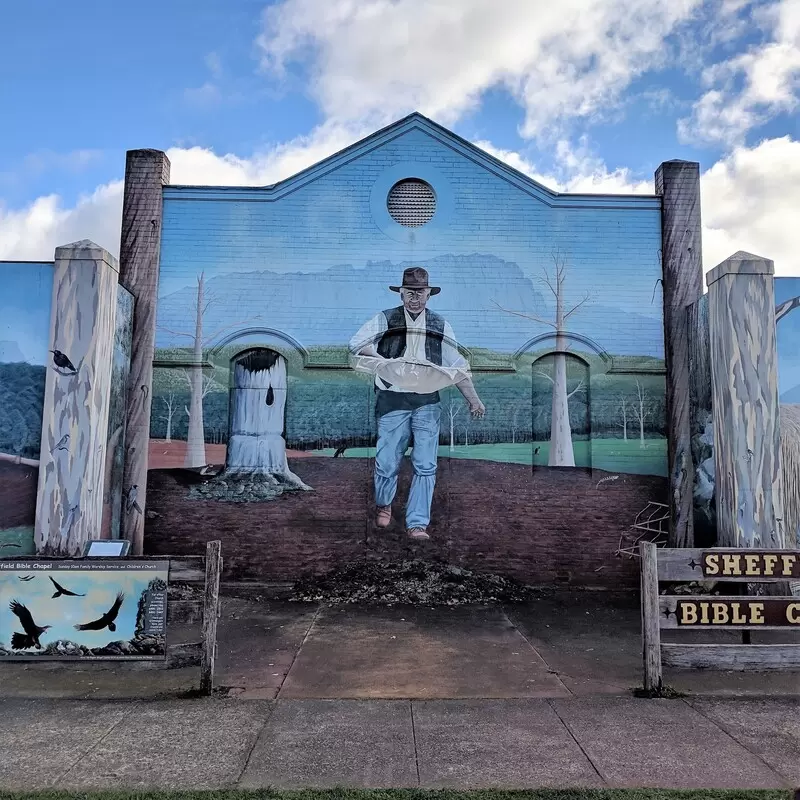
(584, 95)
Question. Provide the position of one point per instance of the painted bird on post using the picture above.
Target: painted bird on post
(62, 365)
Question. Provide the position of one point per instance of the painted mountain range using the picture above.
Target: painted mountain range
(325, 308)
(10, 353)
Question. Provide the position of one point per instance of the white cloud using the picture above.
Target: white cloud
(35, 231)
(749, 89)
(750, 199)
(200, 165)
(375, 60)
(580, 171)
(750, 202)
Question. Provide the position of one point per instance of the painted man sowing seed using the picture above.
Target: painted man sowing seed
(415, 333)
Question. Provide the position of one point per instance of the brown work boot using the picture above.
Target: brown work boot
(418, 533)
(384, 516)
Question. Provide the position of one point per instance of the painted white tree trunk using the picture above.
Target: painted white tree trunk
(452, 413)
(561, 452)
(256, 445)
(74, 440)
(196, 438)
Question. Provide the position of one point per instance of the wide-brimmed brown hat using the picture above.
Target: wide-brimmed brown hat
(416, 278)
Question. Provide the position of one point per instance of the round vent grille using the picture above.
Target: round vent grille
(411, 202)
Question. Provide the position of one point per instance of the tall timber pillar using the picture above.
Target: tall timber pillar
(678, 184)
(146, 173)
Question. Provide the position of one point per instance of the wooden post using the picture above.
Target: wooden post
(146, 173)
(651, 633)
(74, 443)
(744, 374)
(678, 184)
(210, 616)
(702, 423)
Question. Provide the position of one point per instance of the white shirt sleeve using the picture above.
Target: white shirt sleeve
(451, 357)
(369, 333)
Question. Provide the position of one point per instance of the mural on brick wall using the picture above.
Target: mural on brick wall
(300, 386)
(25, 298)
(787, 317)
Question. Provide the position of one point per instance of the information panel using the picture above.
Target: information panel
(109, 609)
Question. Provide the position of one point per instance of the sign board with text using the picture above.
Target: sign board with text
(83, 609)
(729, 612)
(728, 565)
(743, 612)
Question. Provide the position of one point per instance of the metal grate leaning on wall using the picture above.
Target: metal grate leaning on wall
(411, 203)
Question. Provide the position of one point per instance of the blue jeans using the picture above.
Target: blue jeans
(394, 432)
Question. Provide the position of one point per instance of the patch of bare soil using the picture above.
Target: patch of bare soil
(415, 582)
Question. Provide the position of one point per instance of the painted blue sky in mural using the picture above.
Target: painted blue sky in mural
(788, 332)
(323, 308)
(25, 311)
(315, 258)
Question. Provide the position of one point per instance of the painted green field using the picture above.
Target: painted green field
(612, 455)
(22, 536)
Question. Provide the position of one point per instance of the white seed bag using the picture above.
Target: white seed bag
(420, 377)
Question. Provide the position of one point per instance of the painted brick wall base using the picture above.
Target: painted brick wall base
(548, 526)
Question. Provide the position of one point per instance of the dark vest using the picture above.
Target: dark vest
(393, 343)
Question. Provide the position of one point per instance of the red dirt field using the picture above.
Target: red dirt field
(551, 526)
(170, 455)
(18, 483)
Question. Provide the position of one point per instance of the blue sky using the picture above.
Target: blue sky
(25, 311)
(586, 95)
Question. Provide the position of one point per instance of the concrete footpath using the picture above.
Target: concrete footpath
(534, 742)
(526, 696)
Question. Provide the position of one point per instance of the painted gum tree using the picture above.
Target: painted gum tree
(199, 384)
(561, 450)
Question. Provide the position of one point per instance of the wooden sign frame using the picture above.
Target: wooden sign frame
(713, 612)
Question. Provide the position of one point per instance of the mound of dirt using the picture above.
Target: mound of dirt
(412, 582)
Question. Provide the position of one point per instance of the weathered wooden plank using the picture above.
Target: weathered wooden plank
(734, 657)
(184, 611)
(729, 610)
(114, 501)
(69, 507)
(184, 654)
(187, 569)
(651, 634)
(702, 422)
(146, 172)
(210, 615)
(686, 564)
(678, 183)
(744, 370)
